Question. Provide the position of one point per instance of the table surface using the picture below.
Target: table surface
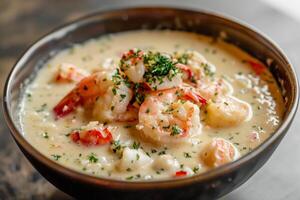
(22, 23)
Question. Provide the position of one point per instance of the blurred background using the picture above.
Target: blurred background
(23, 22)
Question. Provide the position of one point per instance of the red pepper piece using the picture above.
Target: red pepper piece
(180, 173)
(75, 136)
(257, 67)
(92, 137)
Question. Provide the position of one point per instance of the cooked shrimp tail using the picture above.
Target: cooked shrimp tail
(67, 104)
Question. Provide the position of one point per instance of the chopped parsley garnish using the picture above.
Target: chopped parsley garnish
(183, 58)
(139, 97)
(138, 176)
(158, 66)
(153, 150)
(42, 108)
(45, 135)
(207, 70)
(118, 79)
(187, 155)
(175, 130)
(116, 146)
(128, 169)
(195, 169)
(129, 178)
(56, 156)
(114, 90)
(92, 158)
(122, 96)
(136, 145)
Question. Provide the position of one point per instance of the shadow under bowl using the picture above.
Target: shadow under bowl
(209, 185)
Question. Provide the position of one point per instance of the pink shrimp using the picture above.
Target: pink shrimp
(69, 73)
(108, 101)
(218, 152)
(87, 90)
(167, 116)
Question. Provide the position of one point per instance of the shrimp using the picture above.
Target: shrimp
(227, 111)
(132, 65)
(92, 134)
(67, 72)
(194, 65)
(200, 73)
(219, 152)
(108, 100)
(86, 91)
(212, 89)
(154, 69)
(168, 117)
(113, 105)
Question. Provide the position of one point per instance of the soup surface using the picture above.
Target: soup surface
(145, 105)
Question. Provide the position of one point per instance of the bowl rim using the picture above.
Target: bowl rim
(153, 184)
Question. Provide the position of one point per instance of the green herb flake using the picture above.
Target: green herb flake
(138, 176)
(153, 150)
(56, 156)
(122, 96)
(129, 178)
(187, 155)
(136, 145)
(42, 108)
(45, 135)
(128, 169)
(92, 158)
(183, 58)
(114, 90)
(116, 146)
(175, 130)
(195, 169)
(158, 66)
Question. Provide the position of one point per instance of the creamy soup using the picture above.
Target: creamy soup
(146, 105)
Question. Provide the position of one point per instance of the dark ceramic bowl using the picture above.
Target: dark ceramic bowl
(209, 185)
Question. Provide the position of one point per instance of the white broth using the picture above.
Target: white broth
(244, 115)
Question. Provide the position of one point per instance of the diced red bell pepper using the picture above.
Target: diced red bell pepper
(75, 136)
(257, 67)
(92, 137)
(180, 173)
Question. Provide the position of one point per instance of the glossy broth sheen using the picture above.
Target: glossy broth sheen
(50, 136)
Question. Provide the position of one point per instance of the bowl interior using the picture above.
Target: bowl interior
(147, 18)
